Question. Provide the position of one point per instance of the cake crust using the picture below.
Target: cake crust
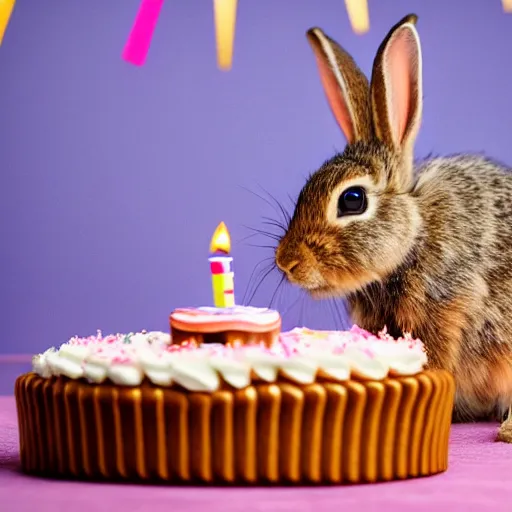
(266, 433)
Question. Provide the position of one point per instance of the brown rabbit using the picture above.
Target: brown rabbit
(425, 249)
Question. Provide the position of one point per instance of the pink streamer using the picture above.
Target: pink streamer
(139, 41)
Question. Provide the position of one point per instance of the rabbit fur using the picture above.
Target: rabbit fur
(432, 253)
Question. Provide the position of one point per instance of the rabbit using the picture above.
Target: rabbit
(421, 248)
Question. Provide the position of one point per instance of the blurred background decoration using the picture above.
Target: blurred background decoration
(139, 40)
(6, 7)
(113, 177)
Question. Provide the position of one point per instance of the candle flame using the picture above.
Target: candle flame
(221, 241)
(358, 15)
(507, 5)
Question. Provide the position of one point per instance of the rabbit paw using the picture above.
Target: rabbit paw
(505, 431)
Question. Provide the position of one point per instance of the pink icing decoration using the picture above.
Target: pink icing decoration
(230, 311)
(139, 41)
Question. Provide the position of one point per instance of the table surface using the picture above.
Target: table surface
(479, 478)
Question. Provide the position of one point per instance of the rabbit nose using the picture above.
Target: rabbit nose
(289, 267)
(289, 258)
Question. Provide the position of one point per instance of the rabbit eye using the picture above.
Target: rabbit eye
(352, 201)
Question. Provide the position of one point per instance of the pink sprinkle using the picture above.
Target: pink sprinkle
(368, 352)
(139, 41)
(121, 360)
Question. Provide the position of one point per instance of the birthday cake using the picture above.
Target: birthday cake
(302, 407)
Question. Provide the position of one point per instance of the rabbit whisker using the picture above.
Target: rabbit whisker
(248, 237)
(266, 273)
(271, 222)
(302, 310)
(259, 196)
(254, 270)
(264, 233)
(273, 247)
(286, 215)
(281, 281)
(292, 200)
(292, 305)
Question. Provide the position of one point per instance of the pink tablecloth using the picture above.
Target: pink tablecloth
(479, 478)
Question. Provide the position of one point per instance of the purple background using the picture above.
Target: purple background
(114, 177)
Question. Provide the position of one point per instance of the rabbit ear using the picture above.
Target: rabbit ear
(345, 86)
(396, 87)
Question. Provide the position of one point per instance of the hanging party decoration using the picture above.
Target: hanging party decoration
(6, 8)
(139, 40)
(225, 22)
(358, 15)
(224, 14)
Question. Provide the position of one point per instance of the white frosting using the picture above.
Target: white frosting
(195, 374)
(300, 355)
(96, 369)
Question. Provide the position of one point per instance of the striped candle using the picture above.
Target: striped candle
(221, 269)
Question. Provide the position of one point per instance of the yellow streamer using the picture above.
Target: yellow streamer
(6, 7)
(225, 21)
(358, 15)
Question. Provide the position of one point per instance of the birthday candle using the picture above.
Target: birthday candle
(139, 40)
(221, 268)
(358, 15)
(225, 21)
(6, 7)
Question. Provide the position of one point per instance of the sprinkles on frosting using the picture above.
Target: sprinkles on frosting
(301, 354)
